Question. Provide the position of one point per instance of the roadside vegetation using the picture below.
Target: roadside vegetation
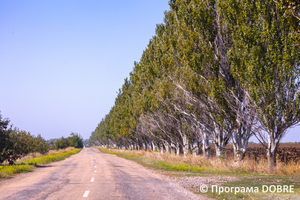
(15, 144)
(205, 165)
(29, 162)
(152, 162)
(74, 140)
(21, 152)
(52, 157)
(224, 173)
(216, 71)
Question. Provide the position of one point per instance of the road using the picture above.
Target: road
(91, 174)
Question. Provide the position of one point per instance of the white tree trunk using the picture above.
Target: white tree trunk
(272, 146)
(144, 146)
(219, 142)
(154, 147)
(167, 147)
(205, 145)
(185, 145)
(177, 149)
(195, 148)
(219, 151)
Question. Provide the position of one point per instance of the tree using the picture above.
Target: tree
(265, 59)
(15, 143)
(75, 140)
(5, 143)
(61, 143)
(40, 145)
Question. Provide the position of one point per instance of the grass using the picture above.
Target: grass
(28, 165)
(261, 183)
(248, 174)
(214, 165)
(51, 158)
(156, 164)
(14, 169)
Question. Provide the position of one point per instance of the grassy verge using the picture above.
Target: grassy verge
(155, 164)
(182, 169)
(14, 169)
(28, 165)
(267, 187)
(51, 158)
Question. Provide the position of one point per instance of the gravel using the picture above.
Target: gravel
(193, 183)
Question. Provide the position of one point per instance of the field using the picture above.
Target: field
(286, 152)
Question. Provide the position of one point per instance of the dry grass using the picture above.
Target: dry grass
(60, 150)
(28, 162)
(52, 157)
(37, 154)
(215, 165)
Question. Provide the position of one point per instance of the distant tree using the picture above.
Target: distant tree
(51, 143)
(75, 140)
(61, 143)
(40, 145)
(21, 144)
(4, 139)
(85, 142)
(15, 143)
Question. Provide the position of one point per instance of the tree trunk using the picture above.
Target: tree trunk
(161, 147)
(205, 145)
(154, 147)
(195, 148)
(219, 151)
(177, 149)
(236, 153)
(144, 146)
(271, 153)
(219, 143)
(167, 147)
(185, 145)
(173, 148)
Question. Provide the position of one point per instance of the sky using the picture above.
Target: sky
(63, 62)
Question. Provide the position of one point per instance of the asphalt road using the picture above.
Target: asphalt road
(91, 174)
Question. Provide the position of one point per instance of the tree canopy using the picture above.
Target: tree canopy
(215, 71)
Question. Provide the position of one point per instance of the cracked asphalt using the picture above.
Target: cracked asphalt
(91, 174)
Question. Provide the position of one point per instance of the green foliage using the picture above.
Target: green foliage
(75, 140)
(15, 143)
(28, 164)
(61, 143)
(40, 145)
(51, 158)
(213, 65)
(5, 143)
(14, 169)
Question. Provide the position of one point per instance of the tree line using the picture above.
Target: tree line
(216, 71)
(74, 140)
(15, 143)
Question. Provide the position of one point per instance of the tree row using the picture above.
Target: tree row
(216, 71)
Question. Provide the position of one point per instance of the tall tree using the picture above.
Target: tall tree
(265, 59)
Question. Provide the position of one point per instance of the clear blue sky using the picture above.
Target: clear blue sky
(62, 62)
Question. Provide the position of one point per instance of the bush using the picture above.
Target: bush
(15, 143)
(61, 143)
(74, 140)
